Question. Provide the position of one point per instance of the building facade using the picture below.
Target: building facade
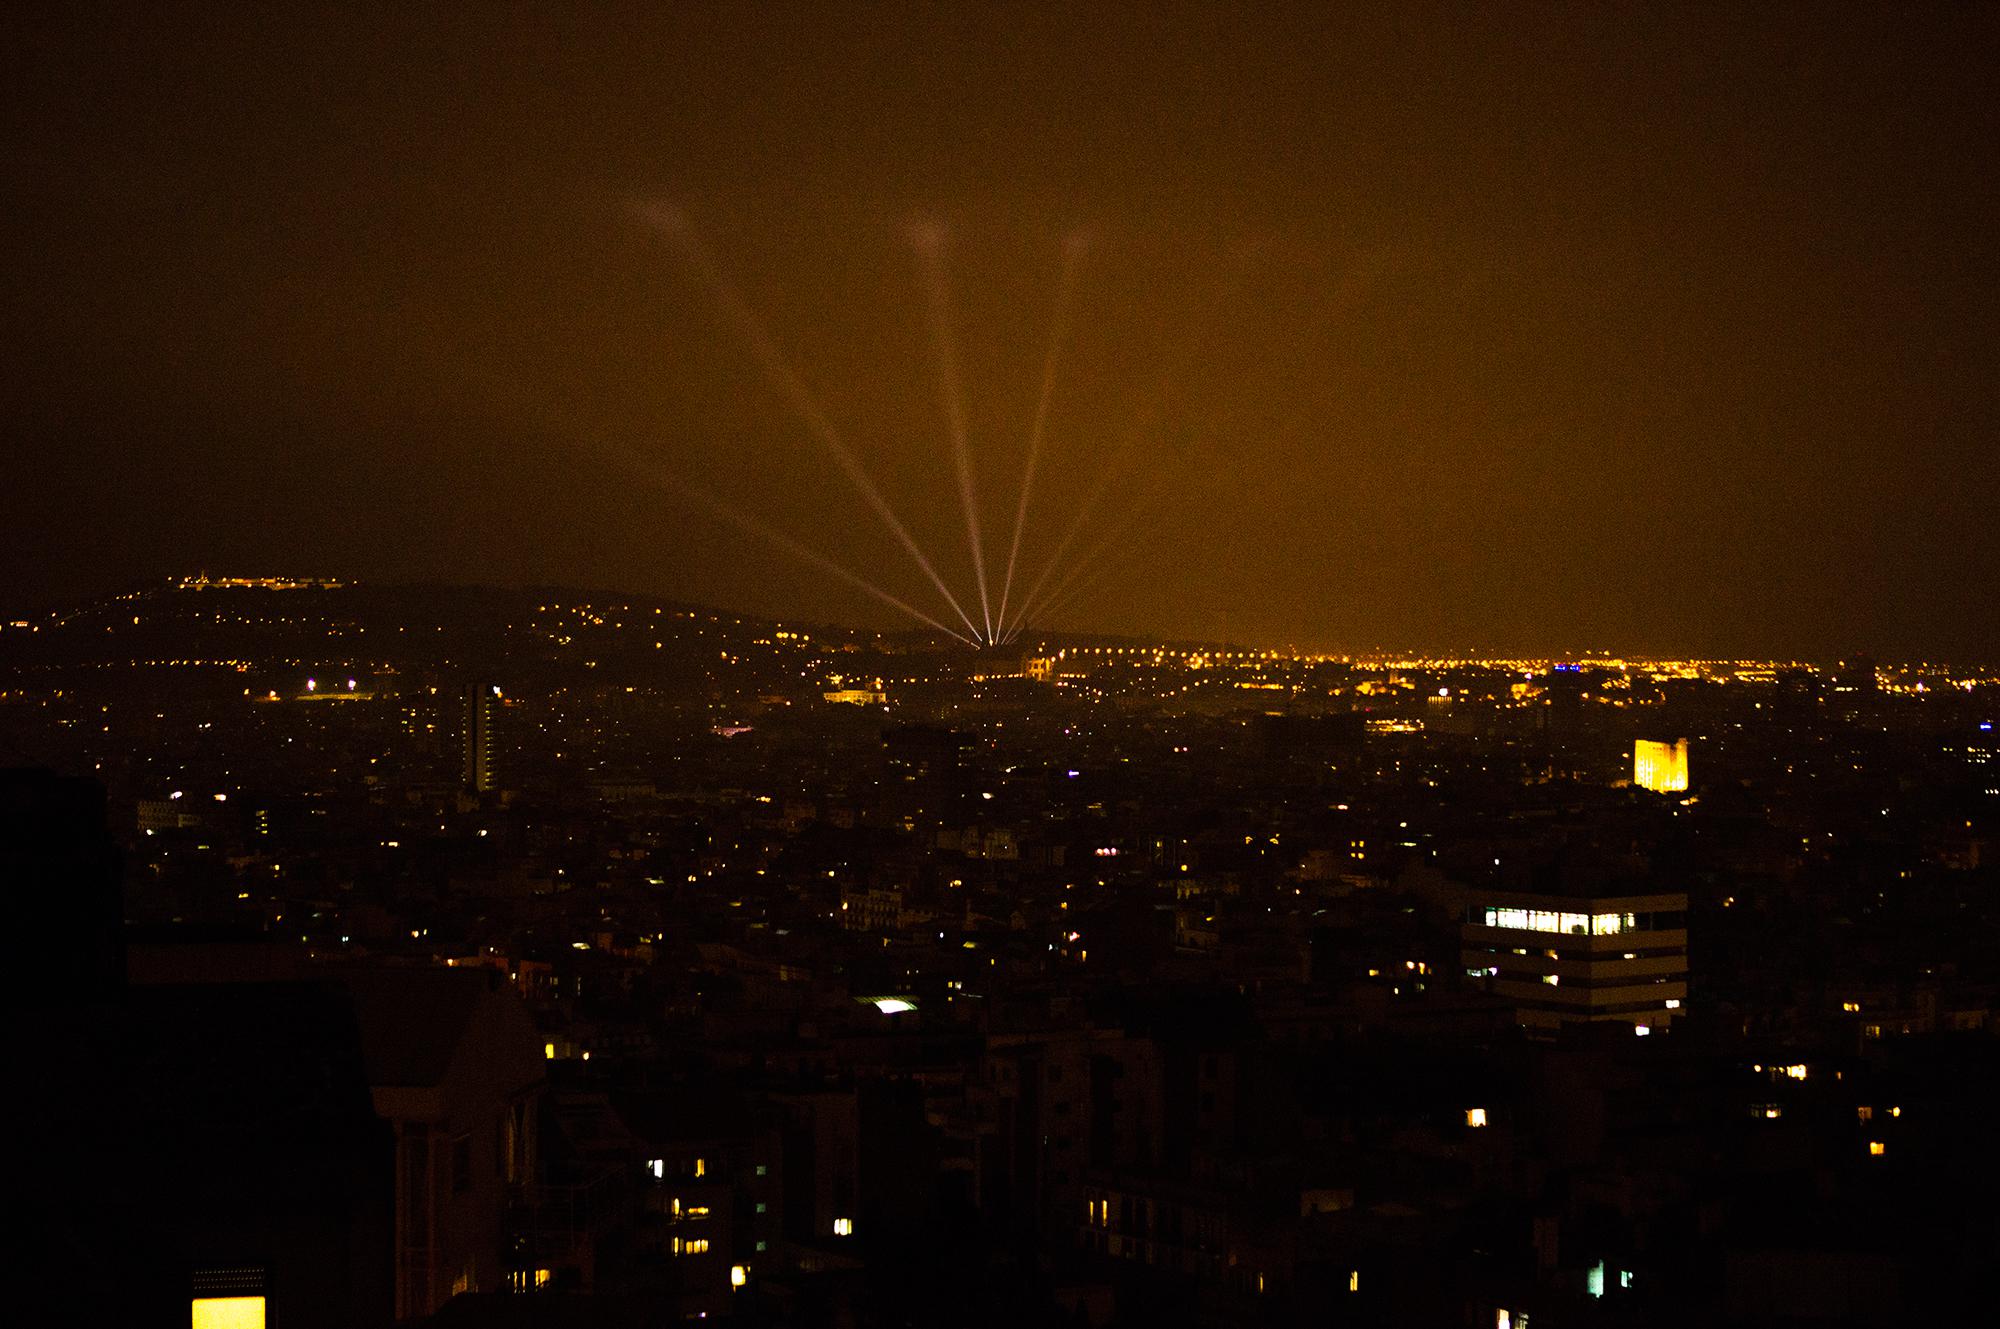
(1564, 959)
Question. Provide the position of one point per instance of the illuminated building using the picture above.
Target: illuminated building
(840, 692)
(1562, 959)
(482, 703)
(1659, 766)
(228, 1312)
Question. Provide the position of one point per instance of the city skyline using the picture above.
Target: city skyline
(916, 665)
(1037, 640)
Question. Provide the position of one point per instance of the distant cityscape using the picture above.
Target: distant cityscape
(525, 948)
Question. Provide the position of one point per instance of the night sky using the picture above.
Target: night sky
(1536, 328)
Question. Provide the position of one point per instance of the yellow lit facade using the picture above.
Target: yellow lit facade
(1660, 767)
(228, 1313)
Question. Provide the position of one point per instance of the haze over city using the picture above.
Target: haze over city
(1590, 328)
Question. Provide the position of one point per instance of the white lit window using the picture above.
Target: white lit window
(739, 1274)
(1475, 1117)
(843, 1227)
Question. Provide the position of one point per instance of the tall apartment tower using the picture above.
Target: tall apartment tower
(482, 706)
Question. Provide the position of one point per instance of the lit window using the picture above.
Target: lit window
(1876, 1149)
(1475, 1117)
(843, 1227)
(658, 1167)
(228, 1313)
(1865, 1112)
(1354, 1280)
(739, 1274)
(701, 1167)
(694, 1245)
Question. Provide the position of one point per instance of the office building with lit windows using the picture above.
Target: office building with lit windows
(1563, 959)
